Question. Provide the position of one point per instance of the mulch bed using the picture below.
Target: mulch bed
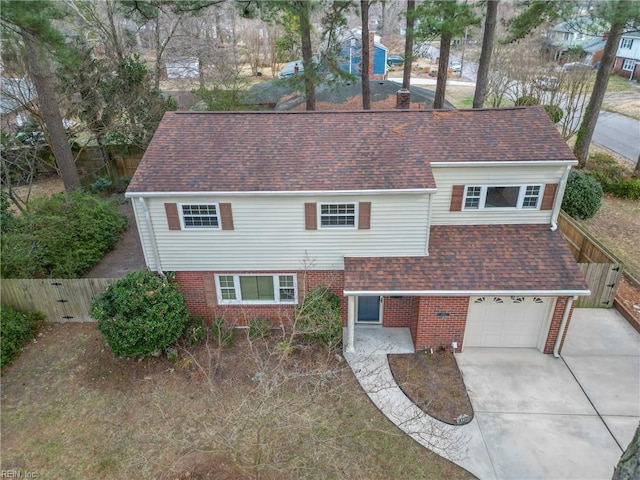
(434, 383)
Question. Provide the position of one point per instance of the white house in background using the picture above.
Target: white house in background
(627, 62)
(185, 67)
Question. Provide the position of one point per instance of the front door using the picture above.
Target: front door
(369, 310)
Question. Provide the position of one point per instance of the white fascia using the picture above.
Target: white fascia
(467, 293)
(535, 163)
(305, 193)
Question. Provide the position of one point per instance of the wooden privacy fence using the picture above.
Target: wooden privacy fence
(61, 300)
(601, 269)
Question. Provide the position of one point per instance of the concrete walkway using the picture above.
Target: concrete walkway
(536, 417)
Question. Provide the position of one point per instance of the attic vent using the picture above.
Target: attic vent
(498, 300)
(479, 300)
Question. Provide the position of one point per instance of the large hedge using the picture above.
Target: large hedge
(582, 197)
(60, 236)
(140, 314)
(16, 329)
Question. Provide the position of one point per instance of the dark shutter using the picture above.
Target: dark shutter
(173, 219)
(310, 216)
(226, 216)
(210, 295)
(457, 195)
(364, 216)
(549, 196)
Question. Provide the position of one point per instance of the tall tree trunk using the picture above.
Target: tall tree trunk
(307, 54)
(365, 60)
(638, 164)
(628, 467)
(485, 55)
(588, 125)
(408, 44)
(443, 69)
(43, 81)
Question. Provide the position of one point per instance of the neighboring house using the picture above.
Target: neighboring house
(352, 54)
(16, 95)
(593, 50)
(184, 67)
(627, 62)
(350, 57)
(573, 33)
(440, 221)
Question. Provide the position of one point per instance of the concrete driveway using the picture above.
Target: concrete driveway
(566, 418)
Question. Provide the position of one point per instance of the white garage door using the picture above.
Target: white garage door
(506, 321)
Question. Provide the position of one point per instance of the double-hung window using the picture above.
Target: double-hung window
(628, 64)
(257, 289)
(626, 43)
(337, 215)
(200, 215)
(480, 197)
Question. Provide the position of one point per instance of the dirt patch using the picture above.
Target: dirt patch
(628, 295)
(70, 409)
(617, 227)
(434, 383)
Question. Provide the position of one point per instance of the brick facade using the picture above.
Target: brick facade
(556, 320)
(440, 321)
(433, 321)
(398, 311)
(202, 300)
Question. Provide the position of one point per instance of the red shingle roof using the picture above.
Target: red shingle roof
(474, 258)
(310, 151)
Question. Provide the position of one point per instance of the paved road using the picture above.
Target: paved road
(618, 133)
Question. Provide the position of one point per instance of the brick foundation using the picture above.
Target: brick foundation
(434, 330)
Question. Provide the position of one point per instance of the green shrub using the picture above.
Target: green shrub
(223, 334)
(260, 328)
(555, 112)
(61, 237)
(140, 314)
(527, 101)
(583, 196)
(195, 331)
(101, 185)
(613, 177)
(319, 317)
(16, 329)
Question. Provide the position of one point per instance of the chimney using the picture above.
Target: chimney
(403, 99)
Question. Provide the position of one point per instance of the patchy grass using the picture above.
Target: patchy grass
(625, 103)
(619, 84)
(460, 96)
(71, 410)
(434, 383)
(617, 227)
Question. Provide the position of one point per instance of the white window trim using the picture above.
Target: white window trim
(630, 62)
(182, 223)
(521, 195)
(356, 213)
(238, 291)
(626, 40)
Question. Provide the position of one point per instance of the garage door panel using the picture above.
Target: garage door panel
(505, 321)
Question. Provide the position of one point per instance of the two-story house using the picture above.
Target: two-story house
(440, 221)
(627, 63)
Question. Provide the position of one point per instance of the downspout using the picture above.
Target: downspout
(563, 325)
(152, 238)
(426, 246)
(558, 202)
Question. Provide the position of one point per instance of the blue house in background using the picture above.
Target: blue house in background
(352, 54)
(351, 57)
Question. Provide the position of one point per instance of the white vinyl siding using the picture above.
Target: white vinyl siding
(269, 234)
(447, 177)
